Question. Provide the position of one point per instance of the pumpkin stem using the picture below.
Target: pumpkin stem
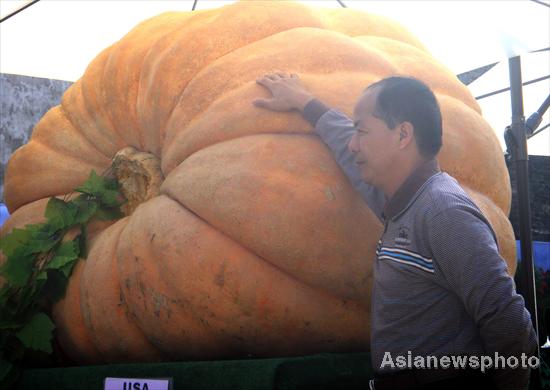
(139, 176)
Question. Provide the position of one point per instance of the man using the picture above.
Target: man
(440, 286)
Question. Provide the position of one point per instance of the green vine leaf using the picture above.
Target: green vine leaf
(38, 333)
(5, 368)
(66, 254)
(38, 266)
(10, 243)
(60, 214)
(17, 269)
(67, 269)
(32, 239)
(86, 208)
(106, 190)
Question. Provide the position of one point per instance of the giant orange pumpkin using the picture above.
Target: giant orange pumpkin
(242, 235)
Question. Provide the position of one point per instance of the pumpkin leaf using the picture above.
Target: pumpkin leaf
(5, 294)
(60, 214)
(11, 242)
(92, 185)
(38, 333)
(17, 269)
(42, 239)
(103, 188)
(27, 296)
(21, 247)
(65, 254)
(5, 368)
(31, 239)
(110, 198)
(68, 268)
(86, 208)
(38, 266)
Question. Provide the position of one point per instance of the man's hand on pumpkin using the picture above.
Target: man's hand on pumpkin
(288, 92)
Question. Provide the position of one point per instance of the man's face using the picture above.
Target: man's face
(374, 143)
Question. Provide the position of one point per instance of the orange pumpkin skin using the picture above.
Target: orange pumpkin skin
(256, 243)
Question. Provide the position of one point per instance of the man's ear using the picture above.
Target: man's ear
(406, 134)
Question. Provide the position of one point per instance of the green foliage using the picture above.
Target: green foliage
(66, 255)
(39, 262)
(37, 333)
(102, 189)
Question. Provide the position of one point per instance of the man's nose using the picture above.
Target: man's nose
(352, 144)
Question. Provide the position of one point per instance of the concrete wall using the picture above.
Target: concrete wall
(23, 101)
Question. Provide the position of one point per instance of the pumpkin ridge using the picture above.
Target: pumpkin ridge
(145, 34)
(452, 84)
(200, 116)
(79, 130)
(72, 331)
(90, 117)
(194, 308)
(178, 150)
(143, 96)
(491, 191)
(219, 100)
(154, 294)
(207, 197)
(335, 17)
(281, 270)
(215, 15)
(97, 90)
(352, 57)
(25, 185)
(485, 183)
(49, 147)
(113, 53)
(197, 303)
(107, 316)
(453, 88)
(79, 135)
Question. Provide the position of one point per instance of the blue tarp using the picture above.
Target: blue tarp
(541, 254)
(3, 213)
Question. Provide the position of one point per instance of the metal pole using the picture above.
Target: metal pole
(25, 6)
(520, 158)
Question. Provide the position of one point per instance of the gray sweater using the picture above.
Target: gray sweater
(440, 286)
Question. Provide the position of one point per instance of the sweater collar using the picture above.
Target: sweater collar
(409, 188)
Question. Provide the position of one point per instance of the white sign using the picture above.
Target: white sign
(137, 384)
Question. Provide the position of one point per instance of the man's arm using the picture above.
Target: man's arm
(333, 127)
(465, 253)
(336, 130)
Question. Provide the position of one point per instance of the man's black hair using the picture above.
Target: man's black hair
(406, 99)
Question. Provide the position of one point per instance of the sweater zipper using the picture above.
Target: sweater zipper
(385, 227)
